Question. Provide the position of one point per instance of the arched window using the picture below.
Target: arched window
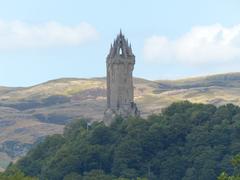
(120, 51)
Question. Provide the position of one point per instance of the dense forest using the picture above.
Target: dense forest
(186, 141)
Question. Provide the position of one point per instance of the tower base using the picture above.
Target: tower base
(124, 112)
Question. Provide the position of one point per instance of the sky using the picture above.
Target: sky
(41, 40)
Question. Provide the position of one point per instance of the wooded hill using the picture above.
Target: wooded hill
(187, 141)
(29, 114)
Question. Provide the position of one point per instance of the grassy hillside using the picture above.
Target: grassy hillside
(28, 114)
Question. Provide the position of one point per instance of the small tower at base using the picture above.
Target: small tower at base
(120, 92)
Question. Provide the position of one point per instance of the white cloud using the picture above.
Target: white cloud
(202, 45)
(17, 34)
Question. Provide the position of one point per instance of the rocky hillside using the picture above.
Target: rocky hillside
(29, 114)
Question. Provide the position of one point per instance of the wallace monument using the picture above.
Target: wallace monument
(120, 92)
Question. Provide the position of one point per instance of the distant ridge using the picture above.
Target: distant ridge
(212, 77)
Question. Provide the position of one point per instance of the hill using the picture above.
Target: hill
(28, 114)
(185, 142)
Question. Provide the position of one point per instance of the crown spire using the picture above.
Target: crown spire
(120, 47)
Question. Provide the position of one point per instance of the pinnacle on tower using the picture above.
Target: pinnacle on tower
(120, 44)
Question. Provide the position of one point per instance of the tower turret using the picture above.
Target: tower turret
(120, 92)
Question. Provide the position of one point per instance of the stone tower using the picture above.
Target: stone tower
(120, 95)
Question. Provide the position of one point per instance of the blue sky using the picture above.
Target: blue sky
(49, 39)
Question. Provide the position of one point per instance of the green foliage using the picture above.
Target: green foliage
(15, 174)
(34, 161)
(236, 164)
(187, 141)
